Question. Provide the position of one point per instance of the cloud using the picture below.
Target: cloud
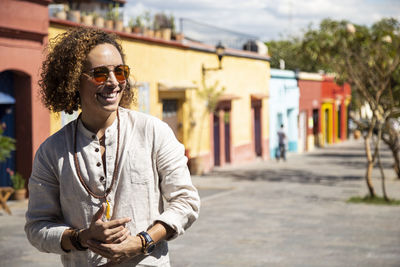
(270, 19)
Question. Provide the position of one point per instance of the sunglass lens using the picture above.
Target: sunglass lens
(121, 73)
(100, 75)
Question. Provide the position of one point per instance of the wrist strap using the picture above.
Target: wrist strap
(143, 242)
(74, 238)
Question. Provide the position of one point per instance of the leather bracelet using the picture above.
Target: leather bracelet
(148, 244)
(143, 242)
(74, 238)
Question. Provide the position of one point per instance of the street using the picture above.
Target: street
(291, 213)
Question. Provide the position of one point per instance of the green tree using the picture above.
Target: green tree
(290, 51)
(367, 58)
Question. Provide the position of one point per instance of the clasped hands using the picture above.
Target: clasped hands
(110, 239)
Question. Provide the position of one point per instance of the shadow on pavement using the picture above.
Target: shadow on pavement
(292, 175)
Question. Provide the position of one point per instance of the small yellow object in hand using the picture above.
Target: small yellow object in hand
(108, 210)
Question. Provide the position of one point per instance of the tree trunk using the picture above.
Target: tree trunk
(377, 147)
(391, 139)
(370, 165)
(396, 164)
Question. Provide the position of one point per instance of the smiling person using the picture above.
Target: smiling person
(98, 186)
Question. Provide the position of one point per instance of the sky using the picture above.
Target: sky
(268, 19)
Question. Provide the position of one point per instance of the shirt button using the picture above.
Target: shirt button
(97, 149)
(98, 164)
(102, 178)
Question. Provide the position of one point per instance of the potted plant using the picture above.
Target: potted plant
(87, 18)
(147, 30)
(178, 37)
(74, 15)
(98, 20)
(163, 25)
(62, 14)
(169, 28)
(113, 20)
(128, 29)
(118, 23)
(109, 21)
(7, 144)
(138, 25)
(18, 183)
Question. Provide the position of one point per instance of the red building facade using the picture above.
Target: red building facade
(309, 109)
(23, 33)
(339, 97)
(323, 110)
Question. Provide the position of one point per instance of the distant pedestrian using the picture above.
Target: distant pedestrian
(281, 151)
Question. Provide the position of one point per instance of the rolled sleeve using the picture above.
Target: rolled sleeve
(176, 184)
(44, 227)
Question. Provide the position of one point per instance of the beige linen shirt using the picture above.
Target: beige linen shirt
(153, 184)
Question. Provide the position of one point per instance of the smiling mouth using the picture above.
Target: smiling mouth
(110, 95)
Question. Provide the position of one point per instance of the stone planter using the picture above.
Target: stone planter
(74, 16)
(109, 24)
(87, 20)
(19, 194)
(148, 33)
(128, 29)
(166, 34)
(179, 37)
(158, 34)
(61, 15)
(137, 30)
(119, 25)
(99, 22)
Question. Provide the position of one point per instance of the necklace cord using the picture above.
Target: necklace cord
(78, 169)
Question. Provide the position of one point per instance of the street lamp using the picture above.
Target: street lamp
(220, 51)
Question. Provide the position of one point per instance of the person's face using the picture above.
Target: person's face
(101, 98)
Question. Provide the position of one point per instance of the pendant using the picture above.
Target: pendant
(108, 208)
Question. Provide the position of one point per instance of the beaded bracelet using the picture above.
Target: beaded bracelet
(74, 238)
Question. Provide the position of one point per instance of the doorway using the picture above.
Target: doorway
(170, 115)
(216, 139)
(315, 113)
(7, 122)
(256, 106)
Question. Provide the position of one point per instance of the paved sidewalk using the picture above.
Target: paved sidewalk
(270, 214)
(294, 214)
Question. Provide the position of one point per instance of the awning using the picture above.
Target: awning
(6, 99)
(258, 96)
(176, 86)
(228, 97)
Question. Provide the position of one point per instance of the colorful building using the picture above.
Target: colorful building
(284, 109)
(324, 105)
(335, 100)
(309, 114)
(169, 77)
(23, 33)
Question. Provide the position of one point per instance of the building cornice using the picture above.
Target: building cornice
(183, 45)
(22, 34)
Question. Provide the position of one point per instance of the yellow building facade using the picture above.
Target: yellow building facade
(171, 85)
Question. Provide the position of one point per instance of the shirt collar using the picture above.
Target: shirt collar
(110, 131)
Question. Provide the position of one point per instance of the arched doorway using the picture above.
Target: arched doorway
(16, 114)
(7, 121)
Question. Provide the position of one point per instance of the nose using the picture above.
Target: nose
(112, 80)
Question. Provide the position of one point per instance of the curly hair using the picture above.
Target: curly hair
(63, 66)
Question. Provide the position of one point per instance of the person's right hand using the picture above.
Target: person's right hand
(113, 231)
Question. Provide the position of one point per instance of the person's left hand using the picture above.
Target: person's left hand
(117, 253)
